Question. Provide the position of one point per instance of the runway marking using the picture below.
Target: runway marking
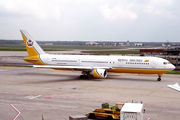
(90, 99)
(47, 97)
(16, 111)
(87, 99)
(32, 97)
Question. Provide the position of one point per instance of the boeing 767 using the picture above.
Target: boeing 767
(94, 65)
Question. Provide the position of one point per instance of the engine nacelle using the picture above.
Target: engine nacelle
(99, 73)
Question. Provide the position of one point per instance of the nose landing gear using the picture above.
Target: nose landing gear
(159, 78)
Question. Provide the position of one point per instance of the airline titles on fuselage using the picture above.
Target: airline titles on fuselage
(127, 61)
(132, 60)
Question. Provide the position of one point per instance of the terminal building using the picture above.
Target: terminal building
(172, 55)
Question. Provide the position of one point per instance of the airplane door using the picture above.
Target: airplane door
(78, 62)
(119, 63)
(153, 64)
(45, 59)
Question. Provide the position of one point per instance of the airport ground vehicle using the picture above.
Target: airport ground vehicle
(121, 111)
(112, 113)
(132, 111)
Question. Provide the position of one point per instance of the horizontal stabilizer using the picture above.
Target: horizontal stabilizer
(31, 59)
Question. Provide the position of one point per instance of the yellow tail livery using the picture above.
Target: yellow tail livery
(33, 49)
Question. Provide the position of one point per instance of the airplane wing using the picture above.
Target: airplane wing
(72, 67)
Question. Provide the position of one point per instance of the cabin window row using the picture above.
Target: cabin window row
(65, 60)
(95, 61)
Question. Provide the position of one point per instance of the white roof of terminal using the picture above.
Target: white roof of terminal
(132, 107)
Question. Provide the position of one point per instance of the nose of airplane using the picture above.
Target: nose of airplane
(172, 66)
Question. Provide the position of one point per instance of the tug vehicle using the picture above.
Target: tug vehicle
(121, 111)
(106, 113)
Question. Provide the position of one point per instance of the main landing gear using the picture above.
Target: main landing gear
(85, 75)
(159, 78)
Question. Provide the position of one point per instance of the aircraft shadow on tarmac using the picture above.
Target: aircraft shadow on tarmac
(140, 79)
(45, 74)
(57, 78)
(67, 77)
(72, 78)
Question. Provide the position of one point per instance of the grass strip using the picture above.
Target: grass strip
(174, 72)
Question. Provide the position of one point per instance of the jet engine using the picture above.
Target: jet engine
(99, 73)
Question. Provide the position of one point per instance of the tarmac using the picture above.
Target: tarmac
(28, 93)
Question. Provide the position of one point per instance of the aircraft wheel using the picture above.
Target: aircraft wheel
(159, 79)
(83, 76)
(86, 76)
(92, 116)
(110, 118)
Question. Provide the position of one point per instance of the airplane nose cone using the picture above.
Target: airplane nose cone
(172, 66)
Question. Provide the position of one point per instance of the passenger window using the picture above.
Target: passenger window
(165, 63)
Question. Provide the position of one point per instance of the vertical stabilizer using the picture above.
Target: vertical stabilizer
(32, 47)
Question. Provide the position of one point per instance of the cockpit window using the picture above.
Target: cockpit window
(165, 63)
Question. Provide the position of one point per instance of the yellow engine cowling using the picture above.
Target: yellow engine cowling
(99, 73)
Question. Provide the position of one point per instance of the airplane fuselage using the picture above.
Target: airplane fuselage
(117, 64)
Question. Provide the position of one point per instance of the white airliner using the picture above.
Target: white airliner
(94, 65)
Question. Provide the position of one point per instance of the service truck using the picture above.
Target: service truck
(132, 111)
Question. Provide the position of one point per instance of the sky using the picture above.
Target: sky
(121, 20)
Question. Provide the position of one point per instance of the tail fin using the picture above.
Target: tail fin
(32, 47)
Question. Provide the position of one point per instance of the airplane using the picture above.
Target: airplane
(95, 66)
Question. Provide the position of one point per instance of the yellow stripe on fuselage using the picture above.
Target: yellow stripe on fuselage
(128, 70)
(139, 71)
(60, 69)
(31, 51)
